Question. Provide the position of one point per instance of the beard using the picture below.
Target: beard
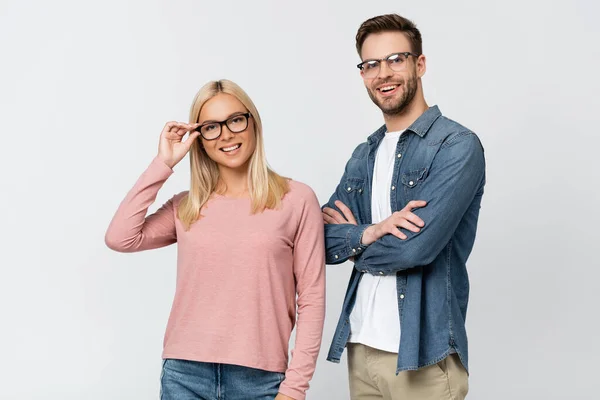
(395, 106)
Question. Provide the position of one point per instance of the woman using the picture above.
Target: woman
(248, 241)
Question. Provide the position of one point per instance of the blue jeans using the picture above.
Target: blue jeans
(191, 380)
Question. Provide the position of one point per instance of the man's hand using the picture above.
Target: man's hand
(283, 397)
(332, 216)
(403, 219)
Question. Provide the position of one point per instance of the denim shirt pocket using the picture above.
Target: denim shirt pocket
(354, 189)
(412, 181)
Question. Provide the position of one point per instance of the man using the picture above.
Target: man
(405, 211)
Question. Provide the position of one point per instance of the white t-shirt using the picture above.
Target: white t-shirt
(375, 319)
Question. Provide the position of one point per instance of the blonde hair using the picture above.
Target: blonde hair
(265, 186)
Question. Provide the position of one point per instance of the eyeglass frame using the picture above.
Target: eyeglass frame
(361, 65)
(224, 122)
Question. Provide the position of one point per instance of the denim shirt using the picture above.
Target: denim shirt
(441, 162)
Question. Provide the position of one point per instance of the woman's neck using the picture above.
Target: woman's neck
(233, 182)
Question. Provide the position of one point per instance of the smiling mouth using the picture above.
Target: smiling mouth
(388, 88)
(231, 148)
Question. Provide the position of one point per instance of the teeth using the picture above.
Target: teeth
(237, 146)
(386, 88)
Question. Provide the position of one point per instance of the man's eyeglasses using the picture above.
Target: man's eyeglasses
(396, 61)
(236, 123)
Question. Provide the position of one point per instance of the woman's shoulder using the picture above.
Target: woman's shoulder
(176, 199)
(300, 191)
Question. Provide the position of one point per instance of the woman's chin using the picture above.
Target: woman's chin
(237, 163)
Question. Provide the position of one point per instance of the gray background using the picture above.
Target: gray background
(87, 86)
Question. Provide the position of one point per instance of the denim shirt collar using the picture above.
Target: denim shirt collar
(420, 126)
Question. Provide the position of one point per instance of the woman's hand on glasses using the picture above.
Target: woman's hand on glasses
(171, 147)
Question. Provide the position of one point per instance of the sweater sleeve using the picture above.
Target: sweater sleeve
(309, 272)
(130, 229)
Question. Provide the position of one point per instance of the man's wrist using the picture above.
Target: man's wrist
(368, 236)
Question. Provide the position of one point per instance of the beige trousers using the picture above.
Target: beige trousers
(372, 375)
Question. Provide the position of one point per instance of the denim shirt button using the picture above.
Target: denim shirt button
(411, 183)
(393, 187)
(399, 155)
(380, 272)
(336, 256)
(349, 189)
(402, 296)
(354, 250)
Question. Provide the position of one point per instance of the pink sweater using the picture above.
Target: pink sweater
(237, 277)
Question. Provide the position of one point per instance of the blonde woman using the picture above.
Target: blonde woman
(250, 262)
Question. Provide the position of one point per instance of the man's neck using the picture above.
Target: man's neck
(410, 114)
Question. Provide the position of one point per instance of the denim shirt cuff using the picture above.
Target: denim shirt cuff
(353, 239)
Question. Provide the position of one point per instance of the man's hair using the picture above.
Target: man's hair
(390, 23)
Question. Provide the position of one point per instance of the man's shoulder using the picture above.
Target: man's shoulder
(361, 151)
(446, 132)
